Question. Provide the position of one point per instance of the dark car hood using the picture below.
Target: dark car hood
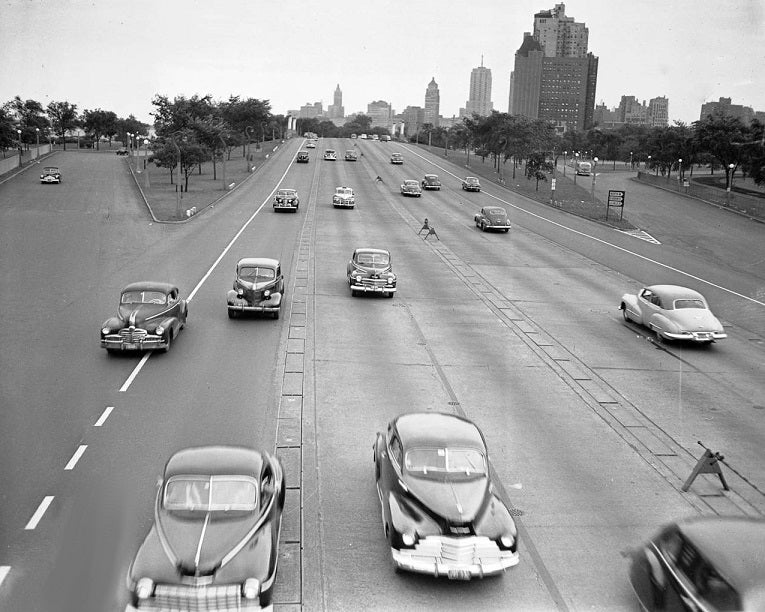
(137, 314)
(456, 500)
(371, 269)
(189, 537)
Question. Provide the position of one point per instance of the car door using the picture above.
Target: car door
(647, 305)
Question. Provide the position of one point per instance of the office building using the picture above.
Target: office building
(432, 103)
(724, 107)
(381, 114)
(336, 110)
(479, 98)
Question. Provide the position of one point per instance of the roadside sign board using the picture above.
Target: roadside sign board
(615, 200)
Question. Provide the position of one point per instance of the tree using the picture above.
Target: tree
(31, 118)
(63, 116)
(99, 123)
(720, 135)
(753, 152)
(537, 165)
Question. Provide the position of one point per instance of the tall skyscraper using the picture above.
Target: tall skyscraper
(658, 111)
(432, 103)
(479, 100)
(554, 75)
(381, 113)
(336, 110)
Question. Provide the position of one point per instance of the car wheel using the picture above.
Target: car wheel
(507, 229)
(659, 338)
(266, 596)
(389, 294)
(233, 314)
(483, 226)
(624, 314)
(166, 348)
(276, 314)
(354, 293)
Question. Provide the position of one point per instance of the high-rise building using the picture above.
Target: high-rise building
(658, 112)
(554, 76)
(724, 107)
(381, 113)
(413, 118)
(479, 99)
(309, 110)
(336, 110)
(432, 103)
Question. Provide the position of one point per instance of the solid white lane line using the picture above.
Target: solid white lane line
(4, 571)
(76, 457)
(105, 415)
(126, 385)
(37, 516)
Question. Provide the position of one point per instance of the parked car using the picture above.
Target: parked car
(397, 159)
(330, 155)
(302, 157)
(50, 174)
(122, 151)
(471, 183)
(370, 271)
(258, 287)
(149, 317)
(344, 198)
(492, 218)
(214, 541)
(703, 563)
(351, 155)
(673, 313)
(411, 187)
(310, 145)
(375, 137)
(384, 138)
(286, 199)
(441, 513)
(431, 181)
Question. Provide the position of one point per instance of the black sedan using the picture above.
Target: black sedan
(214, 541)
(492, 218)
(441, 514)
(370, 271)
(703, 563)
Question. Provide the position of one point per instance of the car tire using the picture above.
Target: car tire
(483, 226)
(507, 229)
(167, 346)
(233, 314)
(389, 294)
(276, 314)
(625, 315)
(659, 338)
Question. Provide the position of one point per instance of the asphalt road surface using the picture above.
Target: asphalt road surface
(592, 427)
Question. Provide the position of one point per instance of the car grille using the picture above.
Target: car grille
(133, 336)
(182, 598)
(374, 282)
(458, 551)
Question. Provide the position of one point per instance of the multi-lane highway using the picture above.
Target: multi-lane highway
(592, 427)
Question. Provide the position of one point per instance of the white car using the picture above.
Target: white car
(673, 313)
(344, 198)
(310, 145)
(330, 155)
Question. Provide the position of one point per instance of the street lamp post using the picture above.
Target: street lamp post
(224, 160)
(594, 174)
(146, 161)
(37, 134)
(679, 173)
(731, 167)
(630, 160)
(564, 162)
(179, 186)
(249, 137)
(576, 165)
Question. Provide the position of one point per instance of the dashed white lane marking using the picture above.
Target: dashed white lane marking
(4, 571)
(126, 385)
(76, 457)
(37, 516)
(105, 415)
(641, 234)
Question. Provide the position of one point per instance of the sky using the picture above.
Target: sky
(117, 54)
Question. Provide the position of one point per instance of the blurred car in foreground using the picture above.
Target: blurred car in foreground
(370, 271)
(51, 174)
(492, 218)
(330, 155)
(310, 145)
(397, 159)
(214, 541)
(351, 155)
(431, 181)
(344, 198)
(705, 563)
(471, 183)
(286, 199)
(258, 287)
(303, 157)
(441, 513)
(149, 317)
(411, 187)
(673, 313)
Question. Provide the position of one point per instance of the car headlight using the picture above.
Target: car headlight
(507, 541)
(144, 588)
(105, 330)
(160, 330)
(358, 279)
(408, 539)
(267, 293)
(251, 588)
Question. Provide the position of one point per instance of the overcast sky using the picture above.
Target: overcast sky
(117, 54)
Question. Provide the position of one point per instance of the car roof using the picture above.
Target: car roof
(410, 181)
(215, 460)
(50, 168)
(431, 176)
(733, 544)
(469, 178)
(494, 209)
(438, 429)
(257, 261)
(372, 250)
(675, 292)
(287, 189)
(150, 286)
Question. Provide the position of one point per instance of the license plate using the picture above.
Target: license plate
(458, 574)
(129, 345)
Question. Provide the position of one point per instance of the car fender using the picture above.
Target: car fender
(630, 301)
(662, 323)
(171, 323)
(231, 296)
(112, 323)
(275, 299)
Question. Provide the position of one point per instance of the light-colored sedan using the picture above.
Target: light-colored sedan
(344, 198)
(673, 313)
(411, 188)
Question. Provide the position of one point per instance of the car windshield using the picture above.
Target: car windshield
(468, 461)
(430, 178)
(254, 274)
(343, 191)
(689, 303)
(411, 183)
(495, 211)
(285, 192)
(372, 259)
(50, 170)
(211, 493)
(143, 297)
(472, 180)
(329, 152)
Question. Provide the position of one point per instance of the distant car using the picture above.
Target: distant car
(258, 287)
(375, 137)
(353, 136)
(214, 541)
(123, 151)
(397, 159)
(441, 513)
(363, 137)
(330, 155)
(344, 198)
(310, 145)
(51, 174)
(492, 218)
(431, 181)
(351, 155)
(149, 317)
(385, 138)
(303, 157)
(370, 271)
(410, 187)
(705, 563)
(673, 313)
(286, 199)
(471, 183)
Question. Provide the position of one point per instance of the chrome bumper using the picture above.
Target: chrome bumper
(455, 558)
(373, 288)
(148, 343)
(697, 336)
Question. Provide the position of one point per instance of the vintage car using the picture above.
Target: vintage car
(370, 271)
(351, 155)
(330, 155)
(214, 541)
(441, 513)
(702, 563)
(431, 181)
(344, 198)
(50, 174)
(286, 199)
(471, 183)
(492, 218)
(149, 317)
(410, 187)
(353, 136)
(673, 313)
(302, 157)
(384, 138)
(397, 159)
(122, 151)
(310, 145)
(258, 287)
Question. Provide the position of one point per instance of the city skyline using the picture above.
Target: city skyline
(133, 51)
